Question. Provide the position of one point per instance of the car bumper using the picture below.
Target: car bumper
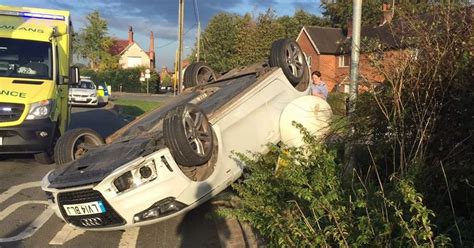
(86, 101)
(32, 136)
(127, 209)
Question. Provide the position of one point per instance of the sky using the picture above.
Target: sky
(161, 17)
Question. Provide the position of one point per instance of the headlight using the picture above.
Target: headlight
(40, 110)
(143, 173)
(93, 95)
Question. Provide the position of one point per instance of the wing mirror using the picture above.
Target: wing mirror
(74, 75)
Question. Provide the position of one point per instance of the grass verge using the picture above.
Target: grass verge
(135, 108)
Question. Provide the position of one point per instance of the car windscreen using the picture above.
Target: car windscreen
(85, 85)
(25, 59)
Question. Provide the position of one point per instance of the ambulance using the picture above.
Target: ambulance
(35, 74)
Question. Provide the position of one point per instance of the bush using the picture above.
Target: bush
(420, 120)
(337, 101)
(307, 203)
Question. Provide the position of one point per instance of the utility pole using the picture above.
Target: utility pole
(354, 76)
(198, 41)
(180, 46)
(198, 35)
(355, 50)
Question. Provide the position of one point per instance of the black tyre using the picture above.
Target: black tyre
(188, 134)
(75, 143)
(287, 55)
(198, 73)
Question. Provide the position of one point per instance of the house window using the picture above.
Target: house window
(134, 61)
(309, 60)
(344, 60)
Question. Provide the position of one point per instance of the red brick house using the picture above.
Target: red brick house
(323, 47)
(328, 50)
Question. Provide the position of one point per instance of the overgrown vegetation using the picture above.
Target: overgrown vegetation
(411, 183)
(307, 203)
(339, 12)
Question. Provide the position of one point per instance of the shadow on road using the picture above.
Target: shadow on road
(103, 121)
(203, 231)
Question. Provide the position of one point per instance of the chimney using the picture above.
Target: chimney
(130, 35)
(387, 14)
(152, 50)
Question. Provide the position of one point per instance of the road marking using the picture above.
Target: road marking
(17, 188)
(36, 224)
(32, 228)
(129, 237)
(10, 209)
(67, 233)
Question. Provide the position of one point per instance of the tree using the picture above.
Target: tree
(231, 40)
(340, 13)
(93, 43)
(219, 41)
(166, 80)
(246, 40)
(268, 30)
(293, 24)
(256, 36)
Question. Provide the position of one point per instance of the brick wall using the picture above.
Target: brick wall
(390, 61)
(332, 74)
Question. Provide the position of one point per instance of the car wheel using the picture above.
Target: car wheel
(287, 55)
(198, 73)
(75, 143)
(188, 134)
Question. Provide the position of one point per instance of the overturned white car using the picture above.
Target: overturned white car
(179, 155)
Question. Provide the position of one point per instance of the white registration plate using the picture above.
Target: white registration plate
(81, 99)
(88, 208)
(1, 141)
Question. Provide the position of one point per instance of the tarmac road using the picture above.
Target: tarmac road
(26, 221)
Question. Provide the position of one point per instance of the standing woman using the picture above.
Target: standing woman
(318, 87)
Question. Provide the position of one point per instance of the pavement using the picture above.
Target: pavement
(232, 233)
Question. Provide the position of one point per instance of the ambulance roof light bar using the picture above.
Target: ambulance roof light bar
(32, 15)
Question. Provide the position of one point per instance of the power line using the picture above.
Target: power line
(196, 11)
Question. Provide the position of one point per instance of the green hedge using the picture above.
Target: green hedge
(128, 78)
